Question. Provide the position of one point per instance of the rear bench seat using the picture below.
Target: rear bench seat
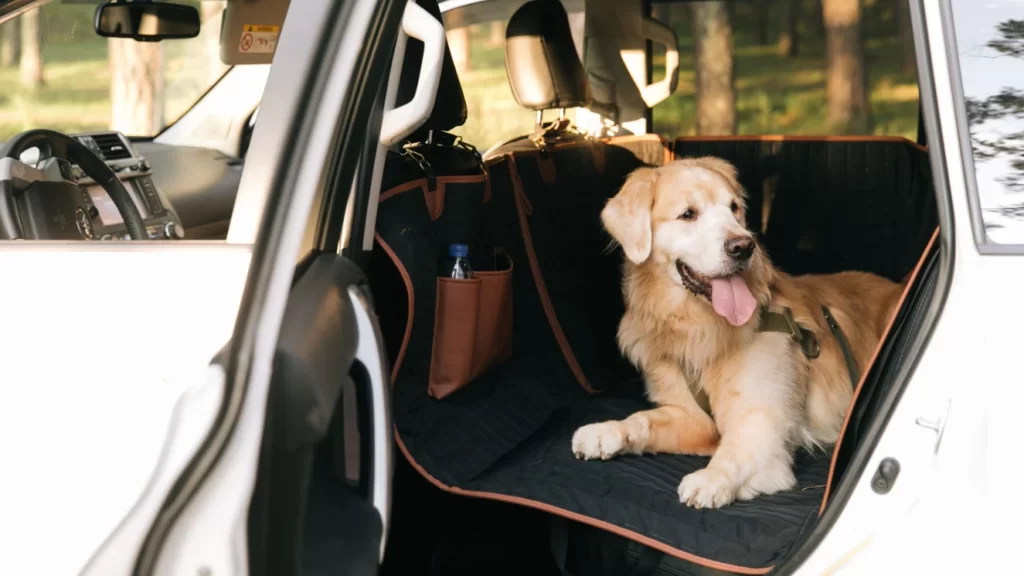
(479, 418)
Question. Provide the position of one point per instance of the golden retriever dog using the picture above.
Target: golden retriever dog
(694, 282)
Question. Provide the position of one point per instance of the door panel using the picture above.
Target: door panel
(320, 505)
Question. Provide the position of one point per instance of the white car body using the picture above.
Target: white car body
(85, 421)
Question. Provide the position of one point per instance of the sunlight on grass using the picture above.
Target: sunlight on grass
(76, 95)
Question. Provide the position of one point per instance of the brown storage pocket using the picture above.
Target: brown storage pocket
(472, 328)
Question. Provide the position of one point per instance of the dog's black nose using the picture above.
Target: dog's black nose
(740, 248)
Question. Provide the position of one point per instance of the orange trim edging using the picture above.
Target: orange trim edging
(542, 290)
(878, 350)
(411, 294)
(783, 138)
(646, 541)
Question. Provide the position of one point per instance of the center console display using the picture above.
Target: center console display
(107, 210)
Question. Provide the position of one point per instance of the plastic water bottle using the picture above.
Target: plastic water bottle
(458, 263)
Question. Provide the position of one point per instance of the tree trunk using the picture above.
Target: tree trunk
(761, 13)
(211, 16)
(817, 21)
(136, 86)
(845, 83)
(789, 13)
(497, 33)
(458, 42)
(906, 37)
(31, 49)
(10, 45)
(716, 100)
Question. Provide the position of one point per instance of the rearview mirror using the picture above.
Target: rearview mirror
(146, 21)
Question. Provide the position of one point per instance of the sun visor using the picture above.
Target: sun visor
(250, 29)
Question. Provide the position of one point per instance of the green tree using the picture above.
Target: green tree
(1007, 105)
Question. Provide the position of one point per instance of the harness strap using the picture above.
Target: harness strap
(784, 323)
(844, 345)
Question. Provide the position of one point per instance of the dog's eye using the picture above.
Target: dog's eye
(734, 207)
(689, 214)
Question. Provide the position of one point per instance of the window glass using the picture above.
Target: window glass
(57, 73)
(478, 50)
(791, 67)
(990, 48)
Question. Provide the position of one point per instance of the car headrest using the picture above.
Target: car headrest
(450, 105)
(540, 58)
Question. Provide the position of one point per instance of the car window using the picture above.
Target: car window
(56, 72)
(789, 67)
(990, 51)
(478, 50)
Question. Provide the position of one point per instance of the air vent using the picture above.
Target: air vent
(111, 146)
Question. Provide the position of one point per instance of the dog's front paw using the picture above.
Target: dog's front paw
(602, 440)
(707, 488)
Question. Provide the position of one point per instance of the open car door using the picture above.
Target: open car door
(322, 491)
(280, 463)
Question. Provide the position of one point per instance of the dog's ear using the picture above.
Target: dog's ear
(627, 216)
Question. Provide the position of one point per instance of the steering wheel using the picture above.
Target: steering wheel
(46, 202)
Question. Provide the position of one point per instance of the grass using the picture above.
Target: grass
(776, 95)
(76, 93)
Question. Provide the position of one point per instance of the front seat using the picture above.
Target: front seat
(430, 165)
(544, 72)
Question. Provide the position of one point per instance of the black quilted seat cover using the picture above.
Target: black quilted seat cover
(834, 205)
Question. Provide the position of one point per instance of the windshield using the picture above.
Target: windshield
(56, 73)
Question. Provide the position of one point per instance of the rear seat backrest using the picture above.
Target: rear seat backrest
(561, 189)
(433, 165)
(828, 204)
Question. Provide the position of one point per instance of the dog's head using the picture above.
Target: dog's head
(686, 219)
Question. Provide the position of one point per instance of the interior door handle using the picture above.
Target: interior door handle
(656, 92)
(404, 120)
(370, 352)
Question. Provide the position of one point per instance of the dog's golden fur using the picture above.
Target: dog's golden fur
(765, 396)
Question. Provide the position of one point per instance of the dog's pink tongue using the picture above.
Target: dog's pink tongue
(732, 300)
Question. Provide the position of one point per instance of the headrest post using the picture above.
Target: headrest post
(561, 113)
(540, 118)
(430, 136)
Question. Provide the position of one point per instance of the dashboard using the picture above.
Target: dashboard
(200, 183)
(100, 218)
(180, 191)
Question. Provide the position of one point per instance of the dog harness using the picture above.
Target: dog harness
(783, 322)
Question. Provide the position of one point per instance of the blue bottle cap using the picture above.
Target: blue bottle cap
(458, 250)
